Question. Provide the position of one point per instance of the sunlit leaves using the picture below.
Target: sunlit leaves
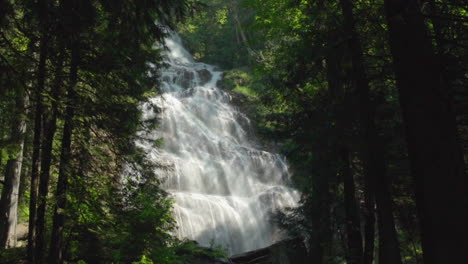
(222, 16)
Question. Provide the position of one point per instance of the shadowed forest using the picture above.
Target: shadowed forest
(367, 100)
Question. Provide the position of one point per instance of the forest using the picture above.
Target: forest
(358, 108)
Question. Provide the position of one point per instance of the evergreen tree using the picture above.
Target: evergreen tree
(431, 133)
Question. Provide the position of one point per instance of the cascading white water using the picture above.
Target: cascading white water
(224, 185)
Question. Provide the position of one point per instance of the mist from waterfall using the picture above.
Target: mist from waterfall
(224, 185)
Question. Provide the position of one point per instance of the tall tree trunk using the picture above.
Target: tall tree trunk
(320, 240)
(56, 242)
(41, 73)
(49, 133)
(10, 191)
(389, 250)
(353, 225)
(240, 30)
(435, 156)
(41, 76)
(340, 99)
(369, 218)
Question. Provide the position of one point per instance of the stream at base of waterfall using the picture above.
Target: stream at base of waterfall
(225, 187)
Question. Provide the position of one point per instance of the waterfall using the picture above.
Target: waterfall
(224, 185)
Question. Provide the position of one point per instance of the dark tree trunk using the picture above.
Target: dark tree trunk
(369, 218)
(38, 115)
(389, 250)
(320, 240)
(353, 225)
(41, 73)
(49, 133)
(56, 242)
(340, 100)
(10, 191)
(46, 160)
(436, 159)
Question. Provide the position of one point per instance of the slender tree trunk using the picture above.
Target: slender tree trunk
(319, 242)
(244, 39)
(41, 73)
(436, 159)
(10, 192)
(369, 218)
(353, 225)
(46, 159)
(49, 134)
(339, 101)
(243, 36)
(56, 242)
(389, 250)
(41, 76)
(4, 8)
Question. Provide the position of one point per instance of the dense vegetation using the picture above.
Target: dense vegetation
(368, 102)
(367, 99)
(73, 74)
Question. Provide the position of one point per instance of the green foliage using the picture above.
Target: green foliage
(240, 81)
(301, 55)
(191, 248)
(288, 64)
(213, 36)
(144, 260)
(117, 220)
(12, 256)
(110, 218)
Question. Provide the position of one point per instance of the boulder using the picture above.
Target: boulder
(239, 99)
(187, 79)
(291, 251)
(204, 75)
(208, 260)
(197, 254)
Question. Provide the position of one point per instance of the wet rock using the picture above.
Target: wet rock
(184, 78)
(238, 99)
(220, 84)
(207, 260)
(204, 75)
(290, 251)
(187, 79)
(201, 255)
(166, 79)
